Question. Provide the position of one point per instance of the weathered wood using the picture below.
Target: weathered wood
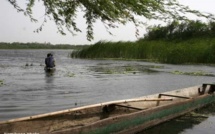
(92, 119)
(79, 108)
(130, 107)
(176, 96)
(158, 99)
(169, 95)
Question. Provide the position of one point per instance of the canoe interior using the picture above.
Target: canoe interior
(83, 116)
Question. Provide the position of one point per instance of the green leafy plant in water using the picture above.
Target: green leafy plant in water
(109, 71)
(198, 73)
(177, 72)
(69, 74)
(128, 69)
(154, 66)
(1, 82)
(114, 71)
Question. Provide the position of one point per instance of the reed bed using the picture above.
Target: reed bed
(196, 50)
(176, 43)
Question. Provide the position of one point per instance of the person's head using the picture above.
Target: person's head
(48, 54)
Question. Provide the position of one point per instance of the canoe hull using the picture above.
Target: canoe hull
(123, 117)
(136, 122)
(162, 114)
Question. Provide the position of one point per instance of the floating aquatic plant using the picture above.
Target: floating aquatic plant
(109, 71)
(156, 66)
(128, 69)
(70, 74)
(198, 73)
(1, 82)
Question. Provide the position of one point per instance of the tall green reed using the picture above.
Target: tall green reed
(196, 50)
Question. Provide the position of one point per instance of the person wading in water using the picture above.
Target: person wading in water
(49, 61)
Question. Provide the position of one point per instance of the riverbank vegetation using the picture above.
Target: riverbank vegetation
(176, 43)
(17, 45)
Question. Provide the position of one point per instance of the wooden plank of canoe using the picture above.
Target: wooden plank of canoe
(82, 108)
(130, 107)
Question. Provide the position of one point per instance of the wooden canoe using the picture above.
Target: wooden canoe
(121, 117)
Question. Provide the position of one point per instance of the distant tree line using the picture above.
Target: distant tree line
(34, 45)
(181, 31)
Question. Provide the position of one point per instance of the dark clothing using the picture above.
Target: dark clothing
(49, 61)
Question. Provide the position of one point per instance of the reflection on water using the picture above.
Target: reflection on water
(49, 77)
(28, 90)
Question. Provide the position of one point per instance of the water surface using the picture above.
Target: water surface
(28, 90)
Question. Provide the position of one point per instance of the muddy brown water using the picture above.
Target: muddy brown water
(25, 89)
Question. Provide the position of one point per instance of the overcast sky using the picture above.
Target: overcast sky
(15, 27)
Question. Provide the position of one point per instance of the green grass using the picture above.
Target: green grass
(195, 50)
(176, 43)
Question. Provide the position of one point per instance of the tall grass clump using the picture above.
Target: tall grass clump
(176, 43)
(195, 50)
(108, 50)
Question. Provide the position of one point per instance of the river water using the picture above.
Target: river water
(25, 89)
